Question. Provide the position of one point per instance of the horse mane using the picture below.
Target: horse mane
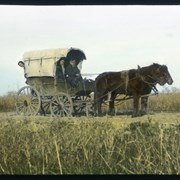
(156, 64)
(148, 69)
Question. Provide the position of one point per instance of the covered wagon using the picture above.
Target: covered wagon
(44, 94)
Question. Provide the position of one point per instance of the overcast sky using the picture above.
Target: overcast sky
(114, 38)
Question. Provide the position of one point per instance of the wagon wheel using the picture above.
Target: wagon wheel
(61, 105)
(45, 105)
(28, 101)
(83, 105)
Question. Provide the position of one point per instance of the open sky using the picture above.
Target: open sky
(114, 38)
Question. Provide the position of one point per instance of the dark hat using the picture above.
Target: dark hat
(20, 62)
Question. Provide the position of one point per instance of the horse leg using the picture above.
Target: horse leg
(144, 101)
(111, 110)
(136, 106)
(99, 108)
(97, 104)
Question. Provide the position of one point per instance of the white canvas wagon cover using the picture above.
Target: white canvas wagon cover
(41, 63)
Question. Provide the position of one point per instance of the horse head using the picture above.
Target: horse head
(161, 74)
(156, 72)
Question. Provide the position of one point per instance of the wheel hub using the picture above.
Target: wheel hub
(25, 103)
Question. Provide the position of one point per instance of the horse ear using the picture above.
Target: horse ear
(138, 71)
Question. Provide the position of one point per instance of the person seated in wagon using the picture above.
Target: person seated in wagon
(73, 75)
(60, 69)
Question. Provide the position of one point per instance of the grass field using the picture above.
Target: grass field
(92, 145)
(108, 145)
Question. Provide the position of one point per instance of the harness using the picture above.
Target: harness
(125, 76)
(151, 85)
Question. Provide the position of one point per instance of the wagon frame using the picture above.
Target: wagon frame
(44, 94)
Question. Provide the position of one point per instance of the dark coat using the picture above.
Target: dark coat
(59, 73)
(72, 71)
(73, 75)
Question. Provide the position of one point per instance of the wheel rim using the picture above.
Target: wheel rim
(28, 101)
(61, 105)
(83, 105)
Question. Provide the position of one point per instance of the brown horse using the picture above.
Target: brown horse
(133, 82)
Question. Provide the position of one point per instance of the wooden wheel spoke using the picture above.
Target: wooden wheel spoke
(21, 109)
(32, 107)
(83, 105)
(66, 110)
(45, 104)
(61, 104)
(28, 101)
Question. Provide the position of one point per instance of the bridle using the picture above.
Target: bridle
(151, 85)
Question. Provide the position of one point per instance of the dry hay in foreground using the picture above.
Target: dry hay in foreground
(162, 118)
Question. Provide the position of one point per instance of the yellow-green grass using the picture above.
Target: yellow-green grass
(90, 145)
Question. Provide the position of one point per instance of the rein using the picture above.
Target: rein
(151, 85)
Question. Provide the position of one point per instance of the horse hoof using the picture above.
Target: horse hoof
(143, 113)
(98, 115)
(111, 114)
(135, 115)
